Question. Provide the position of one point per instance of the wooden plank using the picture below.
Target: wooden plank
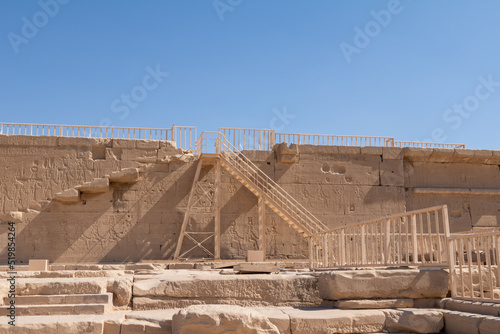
(186, 215)
(217, 211)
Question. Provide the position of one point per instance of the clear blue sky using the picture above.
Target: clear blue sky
(414, 70)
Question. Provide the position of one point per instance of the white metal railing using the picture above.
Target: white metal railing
(273, 193)
(331, 140)
(412, 238)
(475, 265)
(401, 143)
(184, 136)
(249, 139)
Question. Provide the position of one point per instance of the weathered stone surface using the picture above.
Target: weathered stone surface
(373, 303)
(178, 158)
(217, 319)
(473, 307)
(255, 289)
(414, 321)
(287, 154)
(321, 321)
(96, 186)
(121, 289)
(127, 175)
(82, 326)
(257, 267)
(68, 196)
(462, 323)
(62, 286)
(490, 325)
(401, 283)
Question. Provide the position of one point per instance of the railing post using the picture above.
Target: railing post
(387, 241)
(342, 248)
(414, 237)
(497, 248)
(173, 134)
(272, 139)
(363, 245)
(311, 258)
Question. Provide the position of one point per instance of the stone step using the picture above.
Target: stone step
(59, 286)
(104, 298)
(68, 309)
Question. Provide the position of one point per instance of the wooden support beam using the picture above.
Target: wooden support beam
(262, 225)
(217, 210)
(186, 215)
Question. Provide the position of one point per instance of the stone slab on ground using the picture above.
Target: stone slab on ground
(263, 290)
(257, 267)
(66, 309)
(105, 298)
(61, 286)
(326, 321)
(373, 303)
(398, 283)
(461, 322)
(218, 319)
(472, 307)
(414, 320)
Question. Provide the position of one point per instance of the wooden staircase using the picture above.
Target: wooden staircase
(274, 196)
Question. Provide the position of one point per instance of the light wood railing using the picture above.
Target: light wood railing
(331, 140)
(270, 190)
(184, 136)
(249, 139)
(475, 265)
(400, 143)
(412, 238)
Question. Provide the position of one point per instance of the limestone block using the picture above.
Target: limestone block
(373, 303)
(174, 266)
(490, 325)
(111, 326)
(463, 155)
(392, 173)
(140, 155)
(414, 321)
(257, 267)
(123, 143)
(324, 321)
(287, 154)
(61, 286)
(441, 155)
(133, 326)
(100, 185)
(270, 289)
(461, 322)
(147, 144)
(68, 196)
(178, 158)
(82, 142)
(38, 265)
(416, 153)
(371, 150)
(349, 150)
(255, 256)
(481, 156)
(473, 307)
(121, 289)
(399, 283)
(392, 153)
(495, 158)
(218, 319)
(488, 278)
(279, 318)
(126, 175)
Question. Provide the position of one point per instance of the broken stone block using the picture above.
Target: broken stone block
(257, 267)
(178, 158)
(68, 196)
(96, 186)
(414, 321)
(215, 319)
(373, 303)
(399, 283)
(126, 175)
(287, 154)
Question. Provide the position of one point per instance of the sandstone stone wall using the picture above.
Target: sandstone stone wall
(142, 220)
